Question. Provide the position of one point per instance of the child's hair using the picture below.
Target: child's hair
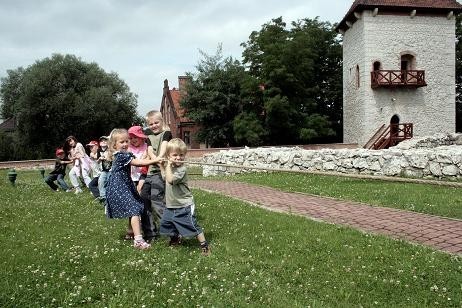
(115, 133)
(158, 115)
(176, 144)
(66, 146)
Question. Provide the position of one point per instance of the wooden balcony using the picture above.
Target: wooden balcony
(397, 79)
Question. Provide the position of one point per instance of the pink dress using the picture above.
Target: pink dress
(138, 153)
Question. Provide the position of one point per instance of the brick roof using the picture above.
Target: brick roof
(176, 97)
(421, 6)
(8, 125)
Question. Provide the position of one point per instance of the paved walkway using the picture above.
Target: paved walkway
(438, 232)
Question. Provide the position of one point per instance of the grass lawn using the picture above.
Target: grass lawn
(58, 249)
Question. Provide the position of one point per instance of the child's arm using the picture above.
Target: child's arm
(169, 172)
(150, 152)
(139, 162)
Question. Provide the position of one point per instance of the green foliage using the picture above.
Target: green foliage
(316, 126)
(214, 97)
(59, 249)
(10, 92)
(61, 96)
(248, 129)
(6, 144)
(288, 91)
(300, 68)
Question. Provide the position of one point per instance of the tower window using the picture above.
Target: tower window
(357, 77)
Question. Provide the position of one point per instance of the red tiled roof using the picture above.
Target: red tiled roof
(8, 125)
(176, 97)
(427, 6)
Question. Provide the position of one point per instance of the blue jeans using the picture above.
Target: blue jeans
(94, 187)
(153, 195)
(102, 184)
(50, 180)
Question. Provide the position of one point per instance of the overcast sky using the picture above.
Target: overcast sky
(143, 41)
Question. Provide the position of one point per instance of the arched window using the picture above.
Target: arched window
(377, 66)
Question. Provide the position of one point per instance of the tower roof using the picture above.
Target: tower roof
(400, 6)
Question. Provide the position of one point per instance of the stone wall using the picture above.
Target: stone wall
(427, 157)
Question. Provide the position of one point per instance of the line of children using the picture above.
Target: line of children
(157, 203)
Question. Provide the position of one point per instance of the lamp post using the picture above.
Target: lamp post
(12, 176)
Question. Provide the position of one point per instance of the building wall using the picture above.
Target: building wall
(353, 96)
(385, 38)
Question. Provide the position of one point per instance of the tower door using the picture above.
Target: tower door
(394, 126)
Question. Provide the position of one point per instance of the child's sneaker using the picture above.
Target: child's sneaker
(175, 240)
(78, 190)
(142, 245)
(205, 250)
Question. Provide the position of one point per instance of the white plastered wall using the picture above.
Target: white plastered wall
(385, 38)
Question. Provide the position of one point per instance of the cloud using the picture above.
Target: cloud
(143, 41)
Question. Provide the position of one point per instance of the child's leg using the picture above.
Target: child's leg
(157, 196)
(129, 234)
(62, 183)
(73, 176)
(93, 186)
(147, 223)
(50, 181)
(102, 184)
(205, 248)
(138, 242)
(86, 175)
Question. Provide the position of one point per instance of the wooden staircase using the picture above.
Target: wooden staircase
(388, 136)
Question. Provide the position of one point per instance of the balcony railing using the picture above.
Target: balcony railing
(389, 136)
(394, 79)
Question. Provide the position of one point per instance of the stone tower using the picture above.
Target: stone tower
(398, 66)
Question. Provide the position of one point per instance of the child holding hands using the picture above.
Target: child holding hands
(178, 219)
(122, 199)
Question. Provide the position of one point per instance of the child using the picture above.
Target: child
(153, 189)
(138, 147)
(58, 172)
(81, 160)
(95, 165)
(178, 219)
(105, 168)
(122, 199)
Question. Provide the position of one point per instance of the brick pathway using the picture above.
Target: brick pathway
(438, 232)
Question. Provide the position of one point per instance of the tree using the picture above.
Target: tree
(10, 92)
(60, 96)
(300, 69)
(214, 98)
